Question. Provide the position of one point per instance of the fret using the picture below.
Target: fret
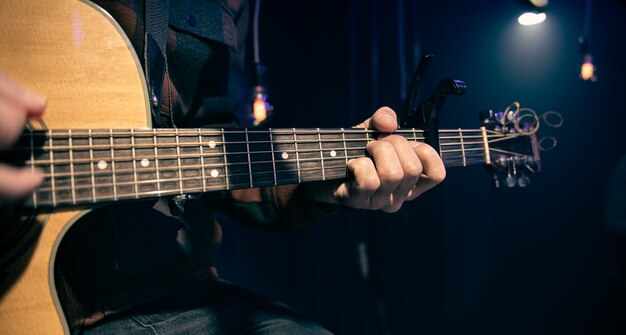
(462, 147)
(32, 162)
(483, 131)
(52, 178)
(122, 164)
(180, 172)
(132, 143)
(295, 144)
(333, 156)
(308, 159)
(273, 157)
(345, 149)
(236, 154)
(156, 160)
(168, 161)
(249, 160)
(71, 154)
(91, 168)
(113, 164)
(260, 155)
(356, 143)
(226, 175)
(287, 170)
(319, 136)
(190, 162)
(100, 150)
(204, 189)
(80, 169)
(63, 177)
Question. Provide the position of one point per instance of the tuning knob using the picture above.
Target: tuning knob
(523, 180)
(510, 181)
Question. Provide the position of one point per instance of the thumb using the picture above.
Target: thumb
(384, 120)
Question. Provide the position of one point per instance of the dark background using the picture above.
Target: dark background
(465, 258)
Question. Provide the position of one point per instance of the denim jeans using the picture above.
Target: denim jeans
(212, 307)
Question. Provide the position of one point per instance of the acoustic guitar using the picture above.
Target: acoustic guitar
(96, 146)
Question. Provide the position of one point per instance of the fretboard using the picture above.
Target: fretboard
(93, 166)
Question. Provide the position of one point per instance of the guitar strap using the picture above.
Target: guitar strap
(155, 61)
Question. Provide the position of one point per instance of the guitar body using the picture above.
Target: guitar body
(75, 54)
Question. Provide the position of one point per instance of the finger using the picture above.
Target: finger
(12, 119)
(34, 104)
(412, 169)
(17, 182)
(389, 171)
(433, 171)
(384, 120)
(357, 191)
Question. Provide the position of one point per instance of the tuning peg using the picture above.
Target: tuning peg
(510, 181)
(523, 180)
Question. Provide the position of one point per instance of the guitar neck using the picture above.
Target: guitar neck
(94, 166)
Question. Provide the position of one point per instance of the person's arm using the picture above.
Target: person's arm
(397, 170)
(17, 104)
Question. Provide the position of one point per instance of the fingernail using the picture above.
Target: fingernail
(415, 144)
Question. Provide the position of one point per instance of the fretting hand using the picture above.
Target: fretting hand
(397, 170)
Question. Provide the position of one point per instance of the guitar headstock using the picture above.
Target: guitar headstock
(513, 144)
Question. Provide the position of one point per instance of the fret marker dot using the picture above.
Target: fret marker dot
(144, 162)
(333, 153)
(214, 173)
(102, 165)
(212, 144)
(285, 155)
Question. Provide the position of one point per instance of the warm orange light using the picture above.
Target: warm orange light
(259, 109)
(586, 70)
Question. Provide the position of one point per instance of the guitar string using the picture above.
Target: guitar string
(146, 135)
(449, 161)
(177, 180)
(107, 172)
(219, 154)
(286, 131)
(149, 134)
(122, 146)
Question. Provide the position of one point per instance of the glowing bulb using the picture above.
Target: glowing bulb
(587, 70)
(539, 3)
(259, 109)
(528, 19)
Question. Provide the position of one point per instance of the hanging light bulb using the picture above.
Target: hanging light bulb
(260, 106)
(261, 109)
(587, 70)
(536, 13)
